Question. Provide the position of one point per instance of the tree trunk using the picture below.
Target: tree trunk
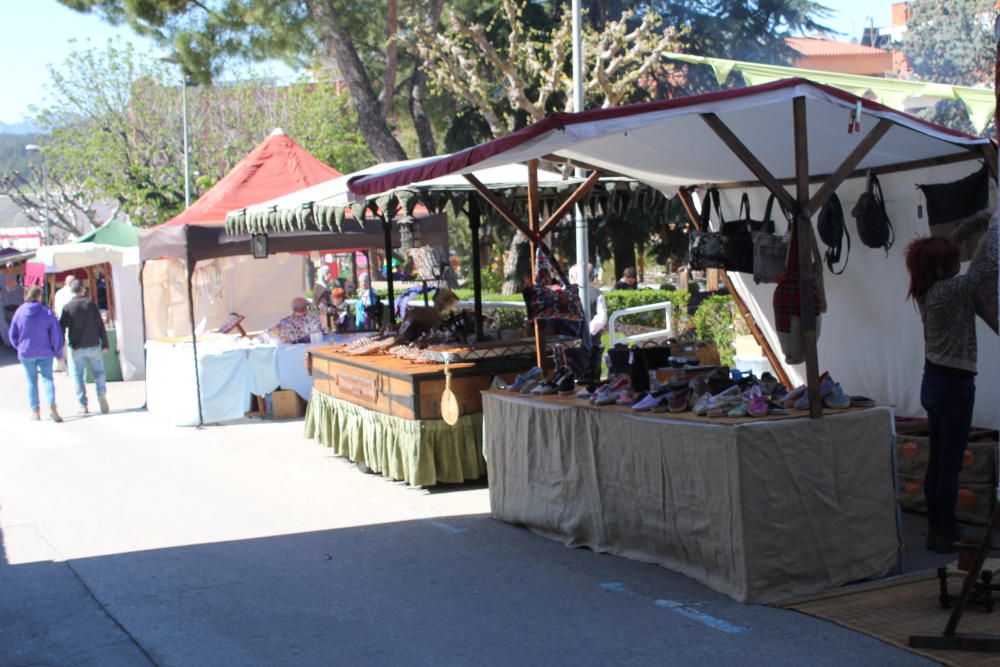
(418, 93)
(422, 124)
(370, 119)
(391, 55)
(512, 280)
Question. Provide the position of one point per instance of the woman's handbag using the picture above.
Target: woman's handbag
(770, 250)
(707, 249)
(874, 227)
(552, 297)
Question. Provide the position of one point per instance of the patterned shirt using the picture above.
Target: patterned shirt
(297, 328)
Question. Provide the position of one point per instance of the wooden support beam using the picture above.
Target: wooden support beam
(749, 159)
(577, 195)
(849, 164)
(500, 206)
(807, 280)
(534, 201)
(965, 156)
(990, 155)
(748, 318)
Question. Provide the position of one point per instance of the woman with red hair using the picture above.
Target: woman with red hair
(946, 300)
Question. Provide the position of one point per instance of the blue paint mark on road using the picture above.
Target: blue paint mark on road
(700, 616)
(677, 607)
(446, 527)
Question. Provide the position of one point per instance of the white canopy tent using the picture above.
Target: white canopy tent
(761, 139)
(124, 262)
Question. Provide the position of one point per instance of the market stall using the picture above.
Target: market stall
(109, 252)
(195, 275)
(384, 410)
(797, 133)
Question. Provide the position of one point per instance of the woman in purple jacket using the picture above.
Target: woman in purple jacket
(36, 334)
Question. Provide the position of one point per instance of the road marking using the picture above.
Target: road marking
(437, 523)
(677, 607)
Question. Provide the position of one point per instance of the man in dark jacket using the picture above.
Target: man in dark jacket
(88, 341)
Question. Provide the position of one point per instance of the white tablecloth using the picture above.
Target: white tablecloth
(230, 370)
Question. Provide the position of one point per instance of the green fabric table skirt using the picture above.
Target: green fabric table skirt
(421, 452)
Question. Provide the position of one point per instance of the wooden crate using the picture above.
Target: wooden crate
(405, 389)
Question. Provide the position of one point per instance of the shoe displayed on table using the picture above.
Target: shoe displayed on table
(544, 388)
(102, 401)
(737, 411)
(826, 385)
(606, 396)
(528, 385)
(861, 402)
(836, 399)
(789, 399)
(649, 401)
(626, 398)
(757, 407)
(613, 387)
(566, 385)
(585, 393)
(521, 380)
(677, 401)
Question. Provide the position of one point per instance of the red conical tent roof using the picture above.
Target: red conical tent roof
(276, 167)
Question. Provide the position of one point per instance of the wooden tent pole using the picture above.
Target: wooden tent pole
(534, 200)
(748, 318)
(577, 195)
(807, 280)
(477, 278)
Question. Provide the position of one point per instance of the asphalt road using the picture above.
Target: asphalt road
(126, 541)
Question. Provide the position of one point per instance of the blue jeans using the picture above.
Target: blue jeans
(83, 357)
(32, 367)
(948, 400)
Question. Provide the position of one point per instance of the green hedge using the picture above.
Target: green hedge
(621, 299)
(718, 319)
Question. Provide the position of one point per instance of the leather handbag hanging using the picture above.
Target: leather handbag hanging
(832, 232)
(707, 248)
(874, 227)
(737, 240)
(552, 297)
(770, 251)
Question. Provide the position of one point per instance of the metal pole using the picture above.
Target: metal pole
(187, 171)
(477, 278)
(45, 197)
(580, 222)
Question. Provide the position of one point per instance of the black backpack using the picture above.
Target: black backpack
(874, 227)
(832, 232)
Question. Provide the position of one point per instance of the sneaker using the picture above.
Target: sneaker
(544, 388)
(757, 407)
(648, 402)
(585, 393)
(54, 414)
(677, 401)
(566, 385)
(530, 384)
(498, 384)
(521, 380)
(625, 398)
(103, 402)
(614, 388)
(862, 402)
(739, 410)
(606, 397)
(82, 410)
(35, 415)
(789, 399)
(826, 385)
(836, 399)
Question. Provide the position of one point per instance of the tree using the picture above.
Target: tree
(951, 41)
(115, 131)
(360, 39)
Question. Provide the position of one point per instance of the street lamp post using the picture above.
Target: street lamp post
(184, 114)
(580, 222)
(35, 148)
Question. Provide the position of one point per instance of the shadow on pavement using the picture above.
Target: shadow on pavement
(451, 590)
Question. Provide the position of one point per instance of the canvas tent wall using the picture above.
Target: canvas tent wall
(748, 137)
(115, 244)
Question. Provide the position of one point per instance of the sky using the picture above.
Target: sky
(37, 33)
